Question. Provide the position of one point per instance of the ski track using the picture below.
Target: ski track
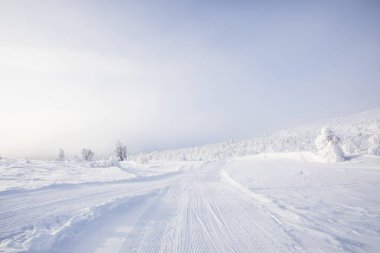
(24, 215)
(195, 211)
(199, 213)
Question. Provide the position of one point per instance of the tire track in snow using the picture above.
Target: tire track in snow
(27, 216)
(199, 213)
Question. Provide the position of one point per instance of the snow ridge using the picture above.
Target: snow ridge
(41, 239)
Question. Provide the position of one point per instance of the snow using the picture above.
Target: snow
(237, 200)
(355, 131)
(35, 220)
(274, 202)
(33, 174)
(327, 144)
(327, 207)
(374, 145)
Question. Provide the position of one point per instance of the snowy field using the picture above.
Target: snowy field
(284, 202)
(324, 207)
(322, 199)
(44, 202)
(33, 174)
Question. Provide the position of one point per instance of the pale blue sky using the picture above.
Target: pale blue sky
(161, 74)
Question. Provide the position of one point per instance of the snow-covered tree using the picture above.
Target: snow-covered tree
(374, 145)
(142, 159)
(121, 151)
(327, 144)
(61, 155)
(87, 154)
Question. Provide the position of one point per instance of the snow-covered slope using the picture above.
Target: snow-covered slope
(356, 133)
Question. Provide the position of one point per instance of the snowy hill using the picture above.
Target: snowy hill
(358, 134)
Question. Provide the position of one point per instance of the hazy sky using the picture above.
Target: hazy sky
(157, 74)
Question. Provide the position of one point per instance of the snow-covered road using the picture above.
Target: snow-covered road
(200, 213)
(190, 212)
(221, 206)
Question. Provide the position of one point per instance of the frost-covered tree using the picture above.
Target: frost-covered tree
(142, 159)
(327, 144)
(61, 155)
(121, 151)
(87, 154)
(374, 145)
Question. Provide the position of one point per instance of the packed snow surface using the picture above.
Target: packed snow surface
(280, 202)
(325, 207)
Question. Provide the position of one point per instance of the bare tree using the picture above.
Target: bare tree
(87, 154)
(121, 151)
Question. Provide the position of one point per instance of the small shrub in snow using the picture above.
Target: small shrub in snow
(327, 144)
(121, 151)
(87, 154)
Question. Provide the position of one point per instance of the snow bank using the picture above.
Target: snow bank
(106, 163)
(33, 174)
(42, 237)
(257, 197)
